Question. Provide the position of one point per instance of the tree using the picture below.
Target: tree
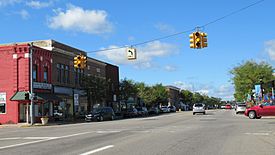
(186, 96)
(96, 88)
(246, 75)
(159, 94)
(127, 89)
(145, 93)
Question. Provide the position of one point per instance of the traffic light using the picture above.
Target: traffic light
(192, 40)
(83, 61)
(27, 96)
(203, 40)
(77, 61)
(197, 39)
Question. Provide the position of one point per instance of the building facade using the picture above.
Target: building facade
(57, 85)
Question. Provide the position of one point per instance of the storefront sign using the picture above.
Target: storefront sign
(2, 97)
(39, 85)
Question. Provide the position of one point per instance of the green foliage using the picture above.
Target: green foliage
(190, 98)
(96, 88)
(127, 89)
(246, 75)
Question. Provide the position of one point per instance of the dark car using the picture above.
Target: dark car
(154, 111)
(132, 112)
(172, 108)
(258, 111)
(142, 111)
(100, 114)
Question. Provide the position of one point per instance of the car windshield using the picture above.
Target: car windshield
(198, 105)
(96, 110)
(242, 105)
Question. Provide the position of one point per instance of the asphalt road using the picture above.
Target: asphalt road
(219, 132)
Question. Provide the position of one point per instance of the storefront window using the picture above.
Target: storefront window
(58, 73)
(2, 108)
(67, 74)
(3, 103)
(34, 73)
(63, 75)
(46, 74)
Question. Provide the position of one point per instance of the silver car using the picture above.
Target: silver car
(198, 108)
(240, 108)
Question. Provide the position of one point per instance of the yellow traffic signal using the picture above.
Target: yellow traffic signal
(192, 40)
(83, 61)
(197, 38)
(77, 61)
(204, 40)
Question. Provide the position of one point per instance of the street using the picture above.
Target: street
(219, 132)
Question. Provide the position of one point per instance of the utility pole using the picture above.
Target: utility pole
(31, 86)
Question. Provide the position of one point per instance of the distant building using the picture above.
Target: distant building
(174, 96)
(56, 83)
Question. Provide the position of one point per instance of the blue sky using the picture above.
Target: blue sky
(98, 24)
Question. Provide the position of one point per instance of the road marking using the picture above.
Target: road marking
(97, 150)
(30, 138)
(257, 134)
(43, 140)
(14, 138)
(107, 131)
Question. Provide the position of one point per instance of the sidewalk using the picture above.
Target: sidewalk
(55, 123)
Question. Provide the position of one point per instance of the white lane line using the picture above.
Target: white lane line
(21, 144)
(108, 131)
(14, 138)
(97, 150)
(43, 140)
(258, 134)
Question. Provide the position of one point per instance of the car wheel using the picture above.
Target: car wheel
(259, 117)
(100, 118)
(252, 115)
(237, 113)
(194, 113)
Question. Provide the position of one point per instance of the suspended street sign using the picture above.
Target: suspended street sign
(131, 53)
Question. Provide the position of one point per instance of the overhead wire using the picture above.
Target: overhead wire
(183, 32)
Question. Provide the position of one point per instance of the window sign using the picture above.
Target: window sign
(3, 102)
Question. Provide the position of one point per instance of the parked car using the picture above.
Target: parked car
(164, 109)
(131, 112)
(240, 108)
(228, 106)
(198, 108)
(258, 111)
(153, 111)
(142, 111)
(100, 114)
(172, 108)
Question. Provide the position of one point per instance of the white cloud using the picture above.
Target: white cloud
(145, 54)
(270, 48)
(38, 4)
(77, 19)
(170, 68)
(24, 14)
(165, 28)
(8, 2)
(225, 91)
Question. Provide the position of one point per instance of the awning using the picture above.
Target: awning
(19, 96)
(48, 97)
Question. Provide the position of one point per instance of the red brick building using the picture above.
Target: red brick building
(56, 83)
(15, 79)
